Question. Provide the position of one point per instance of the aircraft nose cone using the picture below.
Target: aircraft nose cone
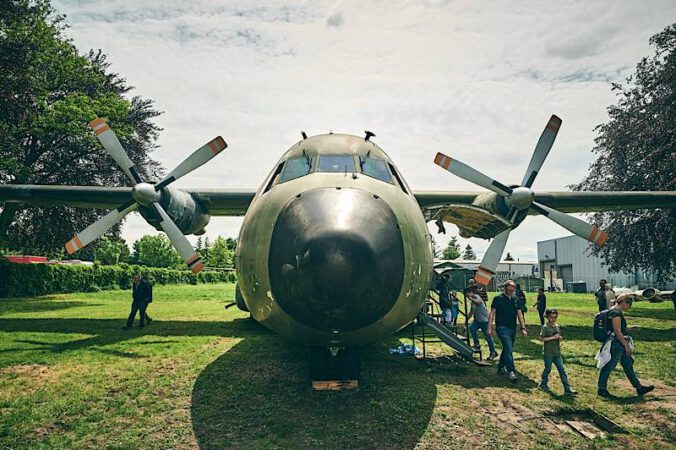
(336, 259)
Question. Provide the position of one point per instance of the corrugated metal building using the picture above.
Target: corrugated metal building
(570, 259)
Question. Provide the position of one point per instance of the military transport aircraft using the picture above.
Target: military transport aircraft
(334, 250)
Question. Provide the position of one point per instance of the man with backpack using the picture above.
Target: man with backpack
(610, 327)
(601, 295)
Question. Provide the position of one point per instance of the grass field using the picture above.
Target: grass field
(201, 376)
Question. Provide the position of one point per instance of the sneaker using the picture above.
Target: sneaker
(644, 389)
(605, 394)
(502, 371)
(569, 391)
(543, 387)
(477, 348)
(149, 321)
(512, 376)
(492, 356)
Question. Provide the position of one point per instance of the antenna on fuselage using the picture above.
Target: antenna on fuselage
(369, 135)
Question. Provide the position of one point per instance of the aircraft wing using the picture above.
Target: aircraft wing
(219, 202)
(472, 212)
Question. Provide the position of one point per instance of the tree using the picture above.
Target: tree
(452, 250)
(220, 255)
(156, 251)
(469, 253)
(48, 94)
(106, 250)
(206, 247)
(636, 152)
(436, 253)
(509, 257)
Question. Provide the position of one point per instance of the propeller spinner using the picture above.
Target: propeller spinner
(146, 194)
(520, 198)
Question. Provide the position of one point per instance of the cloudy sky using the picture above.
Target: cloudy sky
(477, 80)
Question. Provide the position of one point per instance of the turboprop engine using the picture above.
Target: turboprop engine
(167, 209)
(186, 212)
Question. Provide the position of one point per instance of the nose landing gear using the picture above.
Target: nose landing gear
(334, 368)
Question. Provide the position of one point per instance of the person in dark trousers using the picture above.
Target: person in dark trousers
(541, 305)
(142, 294)
(444, 292)
(601, 295)
(551, 336)
(618, 348)
(505, 311)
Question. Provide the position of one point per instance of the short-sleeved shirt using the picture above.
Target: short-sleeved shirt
(505, 311)
(601, 297)
(479, 308)
(553, 347)
(615, 312)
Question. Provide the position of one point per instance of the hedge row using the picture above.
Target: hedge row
(28, 280)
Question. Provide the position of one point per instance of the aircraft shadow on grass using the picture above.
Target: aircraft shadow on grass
(257, 394)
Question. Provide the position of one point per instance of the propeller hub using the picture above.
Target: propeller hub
(145, 194)
(521, 198)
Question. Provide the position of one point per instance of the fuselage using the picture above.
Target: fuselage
(334, 250)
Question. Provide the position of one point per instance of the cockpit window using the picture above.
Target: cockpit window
(336, 163)
(376, 168)
(295, 168)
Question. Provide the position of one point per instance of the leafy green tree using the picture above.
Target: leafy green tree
(220, 255)
(231, 243)
(636, 152)
(107, 250)
(156, 251)
(111, 250)
(452, 250)
(206, 248)
(48, 94)
(469, 253)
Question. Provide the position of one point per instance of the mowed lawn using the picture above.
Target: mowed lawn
(204, 377)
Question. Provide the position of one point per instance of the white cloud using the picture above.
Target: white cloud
(475, 79)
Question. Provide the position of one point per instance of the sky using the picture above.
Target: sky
(477, 80)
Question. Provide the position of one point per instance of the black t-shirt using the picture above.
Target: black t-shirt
(542, 302)
(614, 312)
(505, 311)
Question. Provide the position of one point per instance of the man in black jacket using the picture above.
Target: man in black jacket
(142, 294)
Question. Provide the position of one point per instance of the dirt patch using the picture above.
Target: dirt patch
(21, 369)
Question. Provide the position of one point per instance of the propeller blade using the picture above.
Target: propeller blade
(541, 150)
(573, 224)
(491, 259)
(192, 162)
(95, 230)
(466, 172)
(112, 145)
(181, 243)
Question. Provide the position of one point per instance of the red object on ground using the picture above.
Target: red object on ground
(27, 259)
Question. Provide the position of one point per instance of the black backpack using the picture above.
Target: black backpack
(601, 332)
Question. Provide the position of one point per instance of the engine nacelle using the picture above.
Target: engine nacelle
(651, 294)
(186, 212)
